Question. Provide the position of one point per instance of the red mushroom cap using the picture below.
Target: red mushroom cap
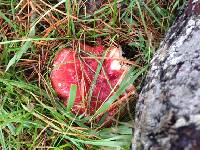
(68, 69)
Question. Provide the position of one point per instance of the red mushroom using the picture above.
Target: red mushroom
(70, 69)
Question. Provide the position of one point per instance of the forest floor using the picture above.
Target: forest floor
(33, 31)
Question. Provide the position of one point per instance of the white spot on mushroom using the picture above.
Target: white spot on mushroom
(115, 65)
(115, 53)
(59, 84)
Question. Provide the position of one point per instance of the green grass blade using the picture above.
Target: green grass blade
(121, 89)
(33, 39)
(19, 54)
(24, 86)
(142, 16)
(115, 142)
(8, 21)
(72, 97)
(152, 14)
(2, 141)
(99, 67)
(175, 5)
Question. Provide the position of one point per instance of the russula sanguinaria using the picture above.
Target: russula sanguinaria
(71, 67)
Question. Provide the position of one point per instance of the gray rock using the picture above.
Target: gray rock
(168, 109)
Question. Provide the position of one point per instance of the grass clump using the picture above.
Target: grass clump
(31, 32)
